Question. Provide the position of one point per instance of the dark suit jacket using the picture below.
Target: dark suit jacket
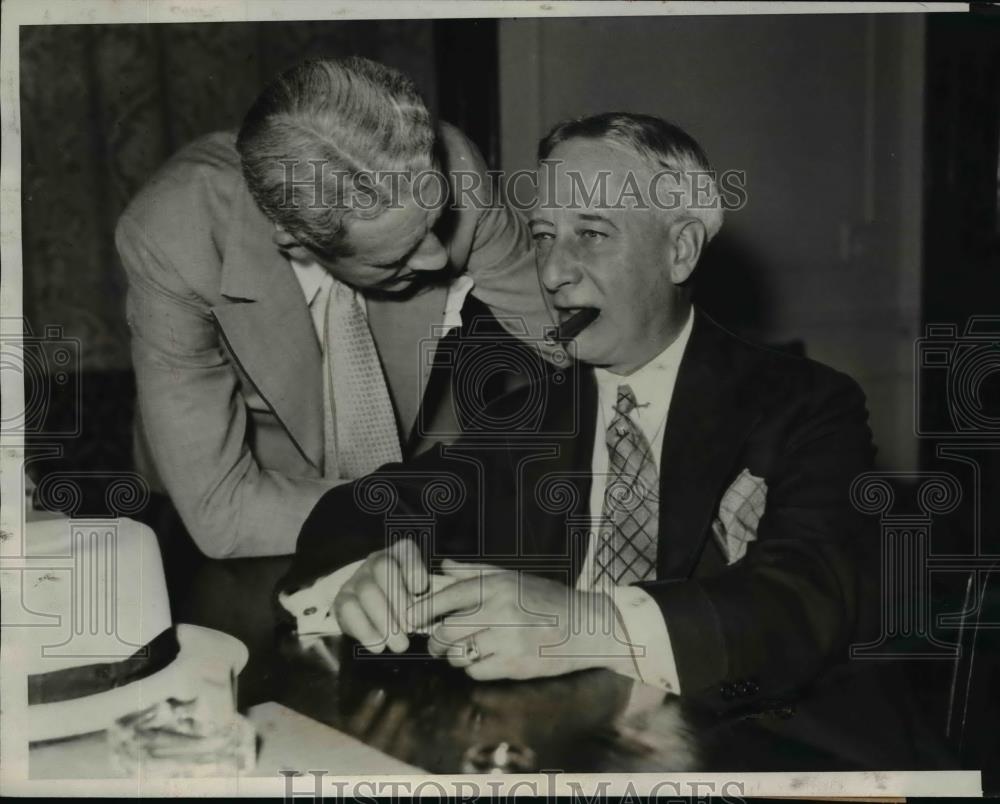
(515, 490)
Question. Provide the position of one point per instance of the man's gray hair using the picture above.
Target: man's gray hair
(669, 151)
(316, 129)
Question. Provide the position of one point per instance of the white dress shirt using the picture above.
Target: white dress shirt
(653, 386)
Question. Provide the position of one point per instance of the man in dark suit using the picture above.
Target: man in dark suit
(674, 506)
(278, 306)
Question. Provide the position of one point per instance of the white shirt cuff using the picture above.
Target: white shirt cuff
(312, 606)
(648, 638)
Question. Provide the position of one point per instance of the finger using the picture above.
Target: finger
(436, 647)
(463, 654)
(411, 562)
(455, 653)
(489, 669)
(458, 656)
(376, 608)
(449, 632)
(388, 572)
(437, 583)
(443, 642)
(463, 568)
(461, 595)
(355, 622)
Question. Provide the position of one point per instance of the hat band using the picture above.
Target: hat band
(90, 679)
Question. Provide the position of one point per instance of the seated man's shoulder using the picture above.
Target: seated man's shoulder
(786, 376)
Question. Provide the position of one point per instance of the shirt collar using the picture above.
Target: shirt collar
(647, 383)
(312, 278)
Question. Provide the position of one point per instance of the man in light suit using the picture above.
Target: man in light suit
(235, 254)
(676, 507)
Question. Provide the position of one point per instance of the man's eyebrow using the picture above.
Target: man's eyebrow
(590, 217)
(533, 221)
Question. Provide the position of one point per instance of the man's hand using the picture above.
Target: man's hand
(373, 605)
(503, 624)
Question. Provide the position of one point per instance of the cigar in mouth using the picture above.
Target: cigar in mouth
(576, 323)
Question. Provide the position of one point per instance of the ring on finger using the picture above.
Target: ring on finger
(472, 649)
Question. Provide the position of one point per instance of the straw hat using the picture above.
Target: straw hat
(101, 642)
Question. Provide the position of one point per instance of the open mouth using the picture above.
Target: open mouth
(574, 320)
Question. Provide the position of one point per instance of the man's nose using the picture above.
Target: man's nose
(556, 267)
(430, 255)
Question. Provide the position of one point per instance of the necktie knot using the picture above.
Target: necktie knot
(344, 294)
(625, 403)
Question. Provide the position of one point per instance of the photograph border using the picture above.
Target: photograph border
(13, 747)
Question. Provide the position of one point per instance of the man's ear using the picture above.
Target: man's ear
(687, 237)
(290, 247)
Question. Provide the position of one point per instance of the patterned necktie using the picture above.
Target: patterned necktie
(626, 552)
(361, 432)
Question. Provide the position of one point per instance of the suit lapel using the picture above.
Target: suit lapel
(709, 419)
(267, 327)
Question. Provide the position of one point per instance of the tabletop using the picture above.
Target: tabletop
(422, 712)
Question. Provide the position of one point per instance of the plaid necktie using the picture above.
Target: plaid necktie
(360, 432)
(626, 552)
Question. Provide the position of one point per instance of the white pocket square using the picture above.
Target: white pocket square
(742, 506)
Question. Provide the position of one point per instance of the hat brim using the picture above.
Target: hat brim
(202, 651)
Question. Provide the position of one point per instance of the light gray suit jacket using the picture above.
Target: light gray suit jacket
(228, 367)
